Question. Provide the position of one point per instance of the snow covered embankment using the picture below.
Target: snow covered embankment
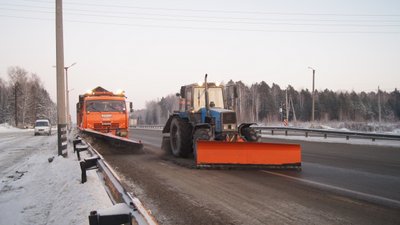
(34, 191)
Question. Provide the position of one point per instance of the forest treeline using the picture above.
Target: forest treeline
(23, 99)
(263, 103)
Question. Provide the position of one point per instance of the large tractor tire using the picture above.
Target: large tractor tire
(200, 134)
(180, 138)
(250, 134)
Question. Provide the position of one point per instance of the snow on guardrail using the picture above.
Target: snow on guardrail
(118, 192)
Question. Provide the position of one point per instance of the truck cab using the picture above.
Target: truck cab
(103, 111)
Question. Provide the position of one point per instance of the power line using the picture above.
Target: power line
(223, 11)
(212, 21)
(202, 17)
(208, 28)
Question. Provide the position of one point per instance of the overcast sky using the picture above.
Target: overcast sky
(150, 48)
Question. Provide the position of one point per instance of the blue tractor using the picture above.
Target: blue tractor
(203, 115)
(205, 128)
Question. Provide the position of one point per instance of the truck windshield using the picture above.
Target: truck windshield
(105, 106)
(215, 96)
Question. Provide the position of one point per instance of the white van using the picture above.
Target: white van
(42, 126)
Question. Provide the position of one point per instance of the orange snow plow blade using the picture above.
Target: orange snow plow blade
(275, 155)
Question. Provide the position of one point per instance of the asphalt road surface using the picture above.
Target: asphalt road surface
(339, 184)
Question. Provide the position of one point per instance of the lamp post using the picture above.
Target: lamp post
(67, 91)
(313, 94)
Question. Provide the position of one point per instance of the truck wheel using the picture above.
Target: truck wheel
(250, 134)
(199, 134)
(180, 138)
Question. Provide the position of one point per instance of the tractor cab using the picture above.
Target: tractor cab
(193, 97)
(211, 110)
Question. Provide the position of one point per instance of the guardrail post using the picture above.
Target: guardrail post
(325, 136)
(373, 139)
(86, 164)
(347, 137)
(286, 132)
(80, 148)
(78, 140)
(93, 218)
(272, 132)
(115, 215)
(306, 134)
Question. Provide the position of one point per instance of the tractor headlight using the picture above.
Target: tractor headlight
(229, 127)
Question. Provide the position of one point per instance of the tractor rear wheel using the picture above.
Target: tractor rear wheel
(199, 134)
(180, 138)
(250, 134)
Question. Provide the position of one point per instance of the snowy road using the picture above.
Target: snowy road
(34, 191)
(16, 147)
(339, 184)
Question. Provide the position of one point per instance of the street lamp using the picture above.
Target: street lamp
(67, 90)
(313, 94)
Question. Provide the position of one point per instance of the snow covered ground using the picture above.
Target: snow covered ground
(34, 191)
(6, 128)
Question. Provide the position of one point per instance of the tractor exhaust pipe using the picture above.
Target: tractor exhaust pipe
(206, 96)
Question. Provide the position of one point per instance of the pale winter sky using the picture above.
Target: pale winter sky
(150, 48)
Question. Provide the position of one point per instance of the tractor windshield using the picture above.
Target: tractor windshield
(105, 106)
(214, 93)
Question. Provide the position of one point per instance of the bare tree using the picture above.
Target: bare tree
(4, 112)
(24, 98)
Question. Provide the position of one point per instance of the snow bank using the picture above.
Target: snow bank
(7, 128)
(38, 192)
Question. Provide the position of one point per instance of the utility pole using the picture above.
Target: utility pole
(67, 91)
(61, 117)
(313, 94)
(16, 85)
(294, 113)
(287, 107)
(379, 107)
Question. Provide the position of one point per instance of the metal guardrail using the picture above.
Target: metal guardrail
(326, 133)
(307, 132)
(118, 193)
(158, 127)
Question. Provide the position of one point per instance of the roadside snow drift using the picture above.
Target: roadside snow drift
(35, 191)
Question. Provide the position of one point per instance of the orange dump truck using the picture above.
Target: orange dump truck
(103, 111)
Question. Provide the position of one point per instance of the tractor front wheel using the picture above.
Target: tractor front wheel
(250, 134)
